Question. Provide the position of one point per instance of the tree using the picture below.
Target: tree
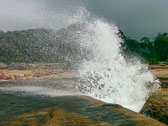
(161, 46)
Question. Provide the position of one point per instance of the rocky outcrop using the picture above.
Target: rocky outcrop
(153, 67)
(18, 110)
(157, 106)
(33, 73)
(162, 75)
(17, 74)
(15, 71)
(68, 111)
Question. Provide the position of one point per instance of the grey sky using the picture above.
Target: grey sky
(137, 18)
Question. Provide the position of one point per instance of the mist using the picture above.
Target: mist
(23, 14)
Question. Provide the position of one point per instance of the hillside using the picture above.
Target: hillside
(39, 45)
(45, 45)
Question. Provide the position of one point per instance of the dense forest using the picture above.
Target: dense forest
(153, 51)
(42, 45)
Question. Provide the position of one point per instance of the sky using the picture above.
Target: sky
(137, 18)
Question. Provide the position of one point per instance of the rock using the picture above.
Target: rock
(68, 111)
(157, 106)
(153, 67)
(6, 74)
(2, 76)
(18, 66)
(3, 65)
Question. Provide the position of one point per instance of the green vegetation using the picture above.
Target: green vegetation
(42, 45)
(153, 51)
(37, 45)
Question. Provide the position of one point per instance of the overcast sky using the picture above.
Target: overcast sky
(137, 18)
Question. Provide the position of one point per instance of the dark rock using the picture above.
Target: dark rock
(67, 111)
(157, 106)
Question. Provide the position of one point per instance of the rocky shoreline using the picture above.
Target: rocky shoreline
(96, 113)
(23, 71)
(157, 105)
(68, 111)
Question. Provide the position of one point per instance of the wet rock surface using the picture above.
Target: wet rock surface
(157, 105)
(17, 110)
